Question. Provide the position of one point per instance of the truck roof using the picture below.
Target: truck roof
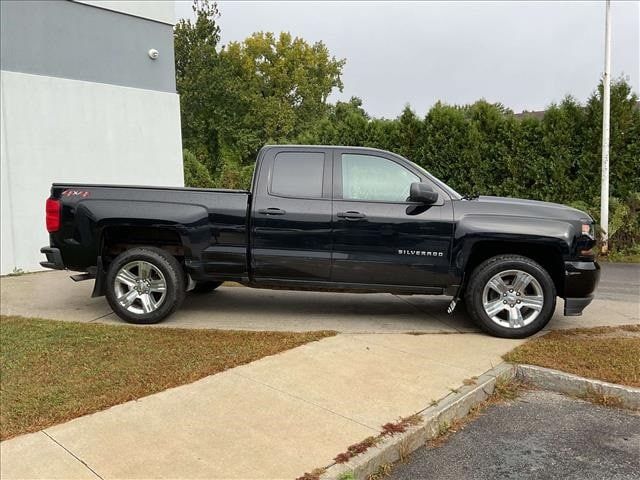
(325, 147)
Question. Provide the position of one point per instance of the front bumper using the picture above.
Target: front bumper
(54, 258)
(580, 281)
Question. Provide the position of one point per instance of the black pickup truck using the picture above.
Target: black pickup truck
(326, 218)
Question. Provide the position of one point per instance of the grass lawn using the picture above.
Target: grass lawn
(611, 354)
(53, 371)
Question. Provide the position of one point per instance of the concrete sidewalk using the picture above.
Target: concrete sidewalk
(54, 295)
(274, 418)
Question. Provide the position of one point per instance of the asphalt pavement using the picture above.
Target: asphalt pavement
(620, 282)
(523, 439)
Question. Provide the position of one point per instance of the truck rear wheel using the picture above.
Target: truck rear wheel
(145, 285)
(510, 296)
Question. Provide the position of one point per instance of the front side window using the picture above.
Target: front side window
(297, 174)
(367, 177)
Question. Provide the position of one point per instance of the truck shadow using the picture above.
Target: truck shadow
(244, 308)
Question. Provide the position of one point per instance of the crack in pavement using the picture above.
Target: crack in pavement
(101, 316)
(74, 455)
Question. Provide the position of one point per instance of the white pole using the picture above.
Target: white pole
(604, 188)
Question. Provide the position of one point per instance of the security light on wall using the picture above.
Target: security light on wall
(153, 54)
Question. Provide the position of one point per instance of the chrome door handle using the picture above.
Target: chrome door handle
(351, 215)
(271, 211)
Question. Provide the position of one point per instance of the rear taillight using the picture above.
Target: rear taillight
(53, 215)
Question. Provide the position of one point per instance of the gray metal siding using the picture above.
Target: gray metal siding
(77, 41)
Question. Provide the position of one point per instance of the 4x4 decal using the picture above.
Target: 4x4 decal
(76, 193)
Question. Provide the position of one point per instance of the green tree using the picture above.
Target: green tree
(451, 146)
(624, 142)
(195, 173)
(345, 124)
(199, 80)
(280, 85)
(235, 98)
(409, 135)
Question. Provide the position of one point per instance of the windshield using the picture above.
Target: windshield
(455, 195)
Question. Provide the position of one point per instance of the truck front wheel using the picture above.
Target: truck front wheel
(145, 285)
(510, 296)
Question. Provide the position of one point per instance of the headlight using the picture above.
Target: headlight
(589, 229)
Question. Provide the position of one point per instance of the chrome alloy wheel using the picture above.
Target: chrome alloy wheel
(512, 298)
(140, 287)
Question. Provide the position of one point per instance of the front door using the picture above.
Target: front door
(379, 237)
(291, 216)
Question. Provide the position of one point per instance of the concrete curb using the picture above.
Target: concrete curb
(570, 384)
(454, 406)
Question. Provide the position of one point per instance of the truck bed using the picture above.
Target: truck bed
(211, 223)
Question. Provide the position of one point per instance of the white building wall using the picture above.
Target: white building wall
(7, 259)
(63, 130)
(160, 11)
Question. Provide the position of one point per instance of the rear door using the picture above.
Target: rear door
(379, 236)
(291, 215)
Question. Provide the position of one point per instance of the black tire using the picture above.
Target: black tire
(174, 278)
(205, 287)
(503, 263)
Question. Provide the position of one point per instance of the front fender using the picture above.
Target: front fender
(523, 231)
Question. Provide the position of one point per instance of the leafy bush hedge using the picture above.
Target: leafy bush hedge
(195, 173)
(485, 148)
(624, 222)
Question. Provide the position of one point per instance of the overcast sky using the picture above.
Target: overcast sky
(522, 54)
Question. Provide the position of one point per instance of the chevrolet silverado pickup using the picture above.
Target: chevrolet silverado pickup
(326, 218)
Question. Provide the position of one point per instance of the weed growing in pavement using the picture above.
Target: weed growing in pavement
(388, 429)
(347, 476)
(401, 425)
(356, 449)
(384, 470)
(599, 397)
(444, 428)
(403, 450)
(313, 475)
(506, 389)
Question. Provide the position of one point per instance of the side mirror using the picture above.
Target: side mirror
(422, 193)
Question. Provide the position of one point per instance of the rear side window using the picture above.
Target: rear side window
(297, 175)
